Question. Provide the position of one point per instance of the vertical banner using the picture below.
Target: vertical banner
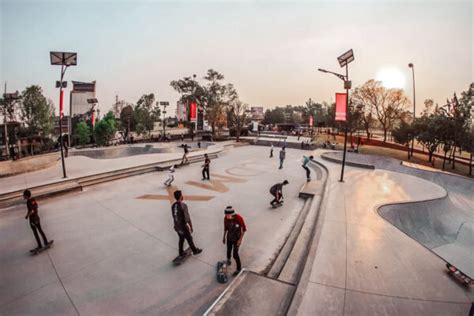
(192, 111)
(311, 121)
(61, 98)
(341, 107)
(93, 118)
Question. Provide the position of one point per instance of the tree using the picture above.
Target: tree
(274, 116)
(83, 133)
(190, 89)
(385, 105)
(143, 114)
(105, 129)
(36, 111)
(216, 97)
(403, 134)
(127, 122)
(238, 115)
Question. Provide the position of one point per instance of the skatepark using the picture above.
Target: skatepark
(375, 244)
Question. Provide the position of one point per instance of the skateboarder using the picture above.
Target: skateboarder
(234, 230)
(205, 168)
(182, 224)
(282, 156)
(277, 191)
(34, 218)
(185, 155)
(170, 176)
(271, 151)
(305, 167)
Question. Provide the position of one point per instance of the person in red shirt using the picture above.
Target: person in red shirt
(234, 230)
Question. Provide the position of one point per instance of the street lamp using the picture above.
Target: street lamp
(65, 60)
(8, 99)
(410, 65)
(164, 104)
(344, 61)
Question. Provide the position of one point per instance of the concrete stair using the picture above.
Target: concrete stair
(77, 184)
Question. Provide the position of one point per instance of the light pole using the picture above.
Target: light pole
(8, 99)
(410, 65)
(344, 61)
(65, 60)
(164, 104)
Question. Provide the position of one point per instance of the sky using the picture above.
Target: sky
(269, 50)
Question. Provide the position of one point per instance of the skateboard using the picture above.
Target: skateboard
(277, 204)
(222, 272)
(459, 275)
(36, 251)
(179, 260)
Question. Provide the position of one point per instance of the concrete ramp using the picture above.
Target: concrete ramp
(438, 225)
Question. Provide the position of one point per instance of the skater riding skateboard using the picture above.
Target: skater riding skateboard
(181, 259)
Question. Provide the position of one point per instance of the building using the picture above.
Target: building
(78, 105)
(256, 113)
(81, 91)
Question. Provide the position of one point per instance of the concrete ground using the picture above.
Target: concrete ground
(78, 166)
(366, 266)
(114, 242)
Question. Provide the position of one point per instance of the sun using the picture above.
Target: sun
(391, 78)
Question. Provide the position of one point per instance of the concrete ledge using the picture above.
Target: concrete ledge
(348, 163)
(253, 294)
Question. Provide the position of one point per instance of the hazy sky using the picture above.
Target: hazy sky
(269, 50)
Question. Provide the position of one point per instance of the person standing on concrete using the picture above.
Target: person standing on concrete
(305, 167)
(234, 230)
(35, 222)
(185, 155)
(205, 168)
(277, 191)
(182, 137)
(271, 151)
(182, 224)
(282, 157)
(170, 176)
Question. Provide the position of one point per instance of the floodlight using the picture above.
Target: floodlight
(63, 58)
(322, 70)
(346, 58)
(164, 103)
(58, 84)
(92, 101)
(410, 65)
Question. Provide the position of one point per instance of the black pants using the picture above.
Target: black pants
(205, 171)
(36, 227)
(277, 198)
(235, 253)
(308, 173)
(185, 235)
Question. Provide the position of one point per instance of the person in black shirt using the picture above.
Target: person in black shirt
(34, 218)
(205, 168)
(185, 155)
(277, 191)
(182, 223)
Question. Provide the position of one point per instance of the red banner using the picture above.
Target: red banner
(311, 121)
(61, 97)
(93, 118)
(341, 107)
(192, 111)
